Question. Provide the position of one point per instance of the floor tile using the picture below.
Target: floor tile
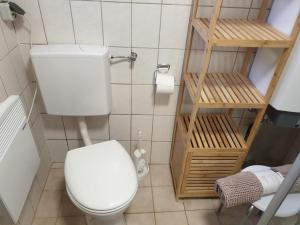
(44, 221)
(68, 208)
(171, 218)
(142, 201)
(57, 165)
(164, 200)
(145, 181)
(56, 180)
(140, 219)
(202, 217)
(71, 221)
(49, 204)
(161, 175)
(193, 204)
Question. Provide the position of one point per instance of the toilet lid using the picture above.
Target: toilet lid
(101, 177)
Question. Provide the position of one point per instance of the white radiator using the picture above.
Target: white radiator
(19, 159)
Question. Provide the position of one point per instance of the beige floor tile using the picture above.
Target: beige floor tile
(140, 219)
(142, 201)
(44, 221)
(202, 217)
(56, 180)
(204, 203)
(171, 218)
(71, 220)
(146, 181)
(49, 204)
(160, 175)
(57, 165)
(164, 200)
(68, 208)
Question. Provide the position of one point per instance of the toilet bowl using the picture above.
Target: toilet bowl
(101, 181)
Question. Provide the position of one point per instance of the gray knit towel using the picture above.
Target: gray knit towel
(238, 189)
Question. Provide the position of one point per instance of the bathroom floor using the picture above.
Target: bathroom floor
(154, 204)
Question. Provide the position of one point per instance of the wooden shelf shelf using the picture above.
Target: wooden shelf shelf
(222, 90)
(242, 33)
(215, 132)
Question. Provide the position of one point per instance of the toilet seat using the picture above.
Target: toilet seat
(100, 178)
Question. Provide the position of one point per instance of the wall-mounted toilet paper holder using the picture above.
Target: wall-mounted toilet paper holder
(163, 68)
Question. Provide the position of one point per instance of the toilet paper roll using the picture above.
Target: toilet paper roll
(164, 83)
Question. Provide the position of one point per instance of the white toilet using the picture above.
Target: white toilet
(101, 180)
(74, 80)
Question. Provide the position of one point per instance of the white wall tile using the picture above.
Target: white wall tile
(3, 94)
(116, 24)
(119, 127)
(87, 22)
(54, 128)
(27, 214)
(174, 57)
(9, 77)
(121, 99)
(178, 2)
(141, 123)
(19, 66)
(28, 97)
(9, 34)
(166, 104)
(97, 127)
(174, 26)
(34, 16)
(73, 144)
(144, 67)
(58, 150)
(120, 68)
(222, 61)
(146, 1)
(126, 145)
(160, 153)
(3, 47)
(144, 32)
(57, 21)
(163, 128)
(233, 13)
(142, 99)
(237, 3)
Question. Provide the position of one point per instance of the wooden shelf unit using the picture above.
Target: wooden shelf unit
(222, 90)
(242, 33)
(206, 147)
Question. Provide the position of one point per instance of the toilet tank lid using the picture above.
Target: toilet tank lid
(54, 50)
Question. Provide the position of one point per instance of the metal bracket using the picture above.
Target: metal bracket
(163, 68)
(132, 58)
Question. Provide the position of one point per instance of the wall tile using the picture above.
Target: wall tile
(3, 47)
(35, 194)
(121, 99)
(174, 57)
(174, 26)
(120, 68)
(3, 94)
(144, 32)
(126, 145)
(163, 128)
(9, 34)
(27, 214)
(34, 16)
(116, 24)
(57, 21)
(28, 97)
(142, 99)
(87, 22)
(233, 13)
(141, 123)
(222, 61)
(19, 66)
(97, 125)
(119, 127)
(177, 2)
(54, 128)
(9, 77)
(58, 149)
(144, 67)
(160, 153)
(166, 104)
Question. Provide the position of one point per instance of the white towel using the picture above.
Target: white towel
(270, 180)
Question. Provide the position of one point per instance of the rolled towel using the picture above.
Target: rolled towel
(284, 171)
(239, 189)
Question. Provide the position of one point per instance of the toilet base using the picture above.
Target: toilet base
(117, 219)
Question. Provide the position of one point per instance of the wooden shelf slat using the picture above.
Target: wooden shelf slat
(214, 132)
(223, 90)
(242, 33)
